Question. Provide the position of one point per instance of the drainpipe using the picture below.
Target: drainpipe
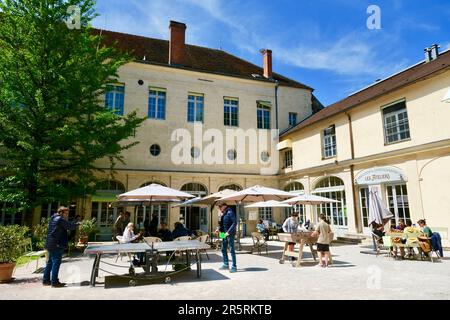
(359, 227)
(277, 84)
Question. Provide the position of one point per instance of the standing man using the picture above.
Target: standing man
(227, 224)
(118, 226)
(55, 245)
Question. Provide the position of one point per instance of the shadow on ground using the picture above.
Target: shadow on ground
(121, 281)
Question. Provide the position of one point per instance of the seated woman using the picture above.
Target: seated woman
(410, 238)
(424, 228)
(261, 227)
(129, 237)
(378, 229)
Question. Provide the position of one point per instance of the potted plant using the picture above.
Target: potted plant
(88, 228)
(12, 241)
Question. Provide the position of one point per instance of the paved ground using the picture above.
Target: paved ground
(356, 274)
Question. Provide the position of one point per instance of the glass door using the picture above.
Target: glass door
(398, 204)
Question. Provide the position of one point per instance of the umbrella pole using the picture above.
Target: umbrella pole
(238, 206)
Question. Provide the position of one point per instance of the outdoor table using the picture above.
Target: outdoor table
(300, 238)
(151, 251)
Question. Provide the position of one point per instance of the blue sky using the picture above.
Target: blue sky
(322, 43)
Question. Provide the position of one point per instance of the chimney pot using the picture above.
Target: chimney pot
(427, 54)
(434, 51)
(177, 44)
(267, 61)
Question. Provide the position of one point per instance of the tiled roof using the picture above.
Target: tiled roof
(201, 59)
(413, 74)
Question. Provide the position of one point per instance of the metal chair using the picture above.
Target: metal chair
(259, 242)
(204, 239)
(185, 238)
(120, 240)
(152, 239)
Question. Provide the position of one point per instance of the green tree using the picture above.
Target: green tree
(53, 123)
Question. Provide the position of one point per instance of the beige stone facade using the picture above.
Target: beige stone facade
(412, 174)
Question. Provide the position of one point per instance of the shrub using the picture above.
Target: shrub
(40, 234)
(12, 241)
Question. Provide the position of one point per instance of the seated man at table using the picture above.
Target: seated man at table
(180, 231)
(261, 227)
(164, 233)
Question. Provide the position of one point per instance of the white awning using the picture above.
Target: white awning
(286, 144)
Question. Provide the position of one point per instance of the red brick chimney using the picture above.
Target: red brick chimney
(267, 56)
(177, 46)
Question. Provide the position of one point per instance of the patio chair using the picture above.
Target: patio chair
(377, 243)
(120, 240)
(259, 242)
(29, 253)
(152, 239)
(204, 239)
(184, 238)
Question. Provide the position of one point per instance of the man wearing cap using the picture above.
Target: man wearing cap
(55, 245)
(227, 224)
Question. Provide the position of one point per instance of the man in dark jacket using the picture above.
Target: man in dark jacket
(227, 224)
(55, 245)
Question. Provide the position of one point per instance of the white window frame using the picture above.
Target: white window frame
(264, 107)
(288, 160)
(396, 124)
(294, 117)
(232, 107)
(196, 103)
(157, 99)
(329, 144)
(115, 93)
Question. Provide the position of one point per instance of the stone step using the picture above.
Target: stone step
(350, 240)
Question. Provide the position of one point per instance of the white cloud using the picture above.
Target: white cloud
(349, 56)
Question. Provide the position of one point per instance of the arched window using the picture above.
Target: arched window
(297, 188)
(194, 217)
(232, 186)
(333, 188)
(196, 189)
(146, 213)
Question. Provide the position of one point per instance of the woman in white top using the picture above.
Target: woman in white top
(290, 225)
(128, 234)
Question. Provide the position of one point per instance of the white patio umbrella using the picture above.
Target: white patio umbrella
(254, 194)
(378, 212)
(149, 195)
(269, 204)
(257, 194)
(309, 199)
(154, 192)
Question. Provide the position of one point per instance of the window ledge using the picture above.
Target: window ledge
(396, 142)
(329, 158)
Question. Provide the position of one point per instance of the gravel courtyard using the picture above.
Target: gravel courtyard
(355, 274)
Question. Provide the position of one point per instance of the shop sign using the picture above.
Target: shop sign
(380, 176)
